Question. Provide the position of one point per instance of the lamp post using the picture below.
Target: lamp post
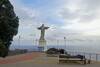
(57, 44)
(65, 43)
(19, 40)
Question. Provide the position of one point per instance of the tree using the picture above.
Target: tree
(9, 23)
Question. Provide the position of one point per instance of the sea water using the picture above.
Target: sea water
(76, 47)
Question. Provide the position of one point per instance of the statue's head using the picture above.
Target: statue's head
(43, 25)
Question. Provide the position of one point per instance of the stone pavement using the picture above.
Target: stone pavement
(19, 58)
(43, 61)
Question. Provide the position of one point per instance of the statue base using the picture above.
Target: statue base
(42, 45)
(41, 49)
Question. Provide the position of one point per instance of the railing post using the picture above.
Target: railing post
(96, 57)
(84, 53)
(90, 56)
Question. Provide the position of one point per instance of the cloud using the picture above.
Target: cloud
(82, 16)
(64, 17)
(77, 20)
(28, 19)
(90, 5)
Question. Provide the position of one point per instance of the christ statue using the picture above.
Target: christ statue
(42, 41)
(42, 28)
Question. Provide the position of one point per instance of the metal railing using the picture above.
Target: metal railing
(90, 56)
(70, 46)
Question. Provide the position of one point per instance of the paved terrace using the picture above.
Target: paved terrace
(36, 59)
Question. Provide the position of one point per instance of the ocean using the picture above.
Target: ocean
(89, 48)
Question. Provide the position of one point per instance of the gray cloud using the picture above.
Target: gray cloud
(67, 14)
(86, 11)
(90, 5)
(89, 10)
(30, 20)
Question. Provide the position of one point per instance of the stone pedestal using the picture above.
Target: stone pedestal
(42, 45)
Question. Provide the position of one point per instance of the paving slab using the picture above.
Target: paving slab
(43, 61)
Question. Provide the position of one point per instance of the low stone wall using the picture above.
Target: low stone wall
(17, 51)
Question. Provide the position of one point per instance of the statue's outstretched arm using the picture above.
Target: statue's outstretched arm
(47, 27)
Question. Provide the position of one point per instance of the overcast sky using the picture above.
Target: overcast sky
(64, 17)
